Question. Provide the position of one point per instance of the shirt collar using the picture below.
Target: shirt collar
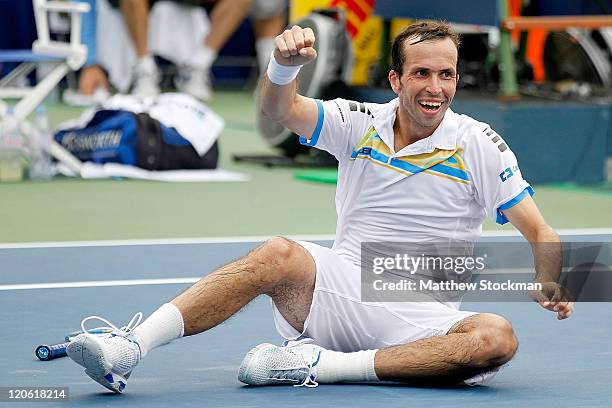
(444, 137)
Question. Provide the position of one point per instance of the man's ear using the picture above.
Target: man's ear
(394, 80)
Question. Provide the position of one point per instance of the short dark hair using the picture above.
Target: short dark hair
(424, 30)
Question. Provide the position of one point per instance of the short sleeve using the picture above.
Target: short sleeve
(496, 176)
(340, 125)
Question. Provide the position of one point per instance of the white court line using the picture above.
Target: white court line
(163, 241)
(137, 282)
(92, 284)
(247, 239)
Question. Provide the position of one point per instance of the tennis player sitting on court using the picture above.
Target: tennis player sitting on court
(409, 170)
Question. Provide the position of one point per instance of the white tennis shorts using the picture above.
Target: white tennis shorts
(339, 321)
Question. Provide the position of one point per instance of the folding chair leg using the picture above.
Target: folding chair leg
(37, 95)
(64, 156)
(22, 69)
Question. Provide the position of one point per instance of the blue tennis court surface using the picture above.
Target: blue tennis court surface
(563, 364)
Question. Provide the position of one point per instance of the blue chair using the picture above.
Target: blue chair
(65, 57)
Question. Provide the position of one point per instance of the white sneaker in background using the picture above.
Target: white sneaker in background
(108, 358)
(194, 81)
(72, 97)
(146, 77)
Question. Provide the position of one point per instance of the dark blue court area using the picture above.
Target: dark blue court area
(560, 364)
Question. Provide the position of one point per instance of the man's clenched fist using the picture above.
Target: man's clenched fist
(295, 46)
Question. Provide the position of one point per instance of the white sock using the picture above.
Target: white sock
(203, 58)
(163, 326)
(146, 63)
(335, 366)
(264, 47)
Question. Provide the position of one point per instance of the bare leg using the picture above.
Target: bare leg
(266, 30)
(136, 16)
(225, 17)
(476, 344)
(269, 26)
(279, 268)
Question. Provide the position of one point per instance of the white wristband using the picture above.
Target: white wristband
(281, 74)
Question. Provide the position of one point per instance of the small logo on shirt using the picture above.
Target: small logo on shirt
(365, 151)
(508, 172)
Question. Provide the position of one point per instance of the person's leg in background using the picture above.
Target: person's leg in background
(93, 81)
(93, 84)
(146, 73)
(269, 20)
(225, 17)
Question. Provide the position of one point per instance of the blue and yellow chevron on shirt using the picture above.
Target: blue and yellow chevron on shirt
(443, 163)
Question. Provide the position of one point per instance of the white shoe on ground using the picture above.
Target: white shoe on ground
(294, 363)
(194, 81)
(483, 378)
(146, 78)
(108, 358)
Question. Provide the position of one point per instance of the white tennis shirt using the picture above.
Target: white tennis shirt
(437, 189)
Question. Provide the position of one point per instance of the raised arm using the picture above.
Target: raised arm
(279, 99)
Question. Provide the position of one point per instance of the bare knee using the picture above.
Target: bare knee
(494, 341)
(281, 260)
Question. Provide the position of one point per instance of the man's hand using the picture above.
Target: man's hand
(548, 257)
(556, 298)
(295, 46)
(92, 77)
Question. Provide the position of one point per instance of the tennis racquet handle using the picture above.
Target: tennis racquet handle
(47, 352)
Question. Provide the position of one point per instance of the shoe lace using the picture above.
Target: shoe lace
(294, 374)
(310, 380)
(120, 331)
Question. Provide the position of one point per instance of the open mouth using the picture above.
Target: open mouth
(431, 106)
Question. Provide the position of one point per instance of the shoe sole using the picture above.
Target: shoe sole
(87, 352)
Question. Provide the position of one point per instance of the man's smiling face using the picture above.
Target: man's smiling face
(428, 82)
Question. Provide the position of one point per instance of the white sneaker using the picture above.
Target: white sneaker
(483, 378)
(108, 358)
(146, 78)
(294, 363)
(194, 81)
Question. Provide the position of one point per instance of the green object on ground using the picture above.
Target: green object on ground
(318, 176)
